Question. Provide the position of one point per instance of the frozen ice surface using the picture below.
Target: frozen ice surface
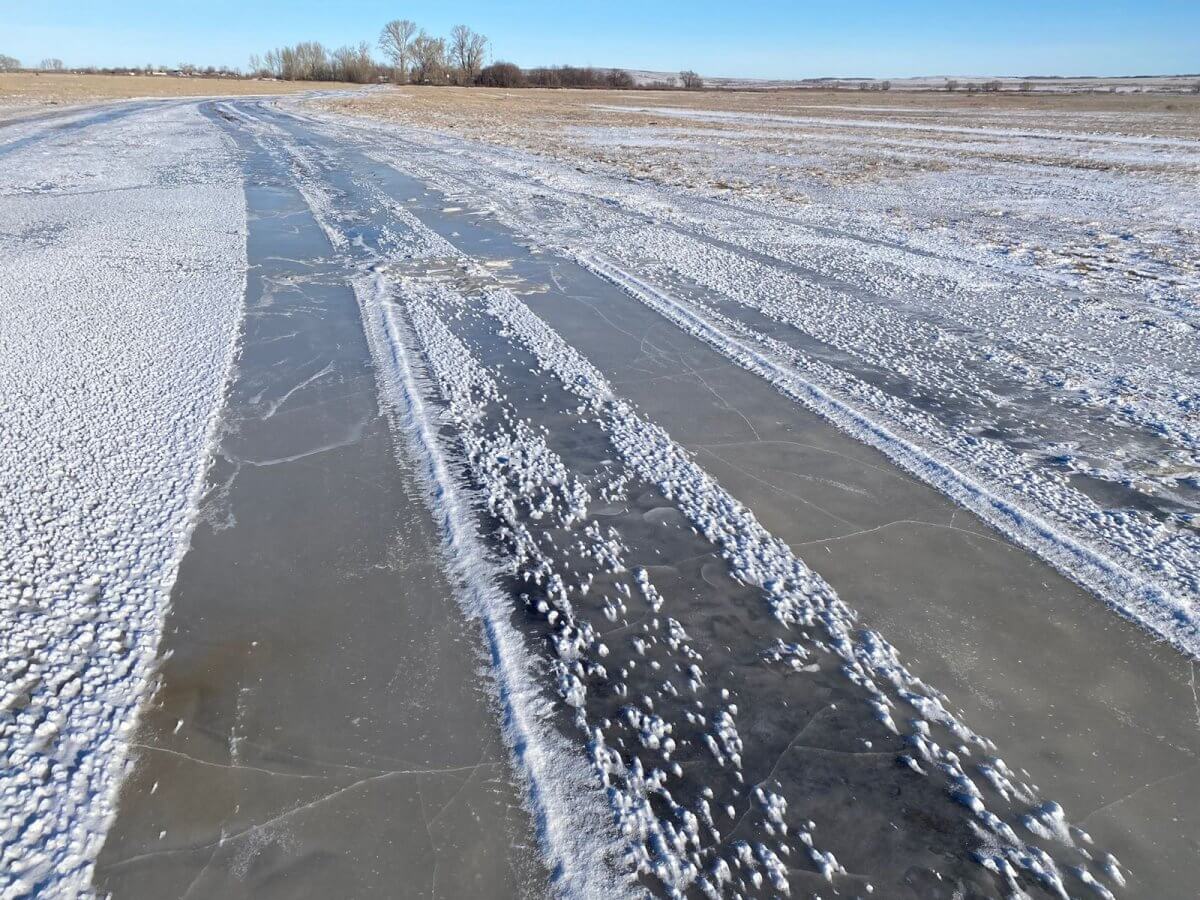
(122, 253)
(508, 414)
(1009, 312)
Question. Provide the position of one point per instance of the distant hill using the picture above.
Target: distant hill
(1036, 83)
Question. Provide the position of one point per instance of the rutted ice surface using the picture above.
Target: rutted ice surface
(12, 132)
(644, 700)
(559, 789)
(122, 249)
(1018, 319)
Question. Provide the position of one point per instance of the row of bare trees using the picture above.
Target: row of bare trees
(586, 77)
(310, 61)
(577, 77)
(988, 87)
(418, 57)
(413, 56)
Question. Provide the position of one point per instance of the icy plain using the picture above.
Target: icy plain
(570, 475)
(821, 491)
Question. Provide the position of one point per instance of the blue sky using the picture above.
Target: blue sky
(768, 38)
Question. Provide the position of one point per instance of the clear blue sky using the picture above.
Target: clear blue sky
(768, 38)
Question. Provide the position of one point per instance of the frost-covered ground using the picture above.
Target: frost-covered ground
(1003, 304)
(122, 255)
(1007, 303)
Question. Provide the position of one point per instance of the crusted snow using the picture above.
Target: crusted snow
(122, 250)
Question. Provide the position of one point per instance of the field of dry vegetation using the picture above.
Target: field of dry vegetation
(25, 92)
(506, 114)
(784, 141)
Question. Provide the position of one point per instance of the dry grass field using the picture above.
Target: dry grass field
(779, 145)
(503, 113)
(24, 92)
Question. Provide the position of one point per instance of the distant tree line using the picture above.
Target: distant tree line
(987, 87)
(413, 56)
(53, 64)
(310, 61)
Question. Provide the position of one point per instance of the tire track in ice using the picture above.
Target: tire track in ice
(1140, 600)
(558, 786)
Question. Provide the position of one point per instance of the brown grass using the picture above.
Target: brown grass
(570, 125)
(30, 91)
(497, 111)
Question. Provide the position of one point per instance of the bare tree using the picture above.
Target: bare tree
(885, 85)
(51, 64)
(9, 63)
(467, 50)
(1026, 86)
(428, 59)
(311, 62)
(396, 41)
(952, 85)
(501, 74)
(619, 79)
(1196, 88)
(353, 64)
(690, 80)
(306, 61)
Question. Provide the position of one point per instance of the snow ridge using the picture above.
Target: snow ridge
(561, 791)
